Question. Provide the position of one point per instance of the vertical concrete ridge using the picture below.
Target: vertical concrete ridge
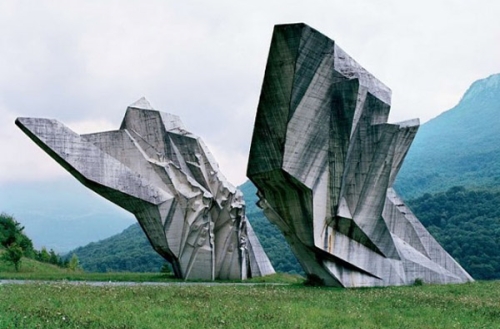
(324, 158)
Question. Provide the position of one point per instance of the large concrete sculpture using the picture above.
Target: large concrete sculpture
(166, 176)
(324, 158)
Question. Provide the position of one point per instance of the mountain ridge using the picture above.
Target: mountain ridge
(458, 147)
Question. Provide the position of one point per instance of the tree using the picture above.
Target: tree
(13, 255)
(74, 264)
(53, 258)
(11, 232)
(9, 229)
(43, 255)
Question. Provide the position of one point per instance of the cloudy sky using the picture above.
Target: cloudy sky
(83, 62)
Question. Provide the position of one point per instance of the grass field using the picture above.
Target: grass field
(34, 270)
(60, 305)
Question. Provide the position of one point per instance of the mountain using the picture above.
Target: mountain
(459, 147)
(250, 195)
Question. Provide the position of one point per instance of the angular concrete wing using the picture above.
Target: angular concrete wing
(166, 176)
(324, 158)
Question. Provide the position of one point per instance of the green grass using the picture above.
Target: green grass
(278, 278)
(34, 270)
(60, 305)
(66, 275)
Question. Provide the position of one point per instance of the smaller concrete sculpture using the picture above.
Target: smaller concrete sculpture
(167, 177)
(324, 159)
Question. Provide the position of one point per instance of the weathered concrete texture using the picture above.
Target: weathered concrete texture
(167, 177)
(324, 158)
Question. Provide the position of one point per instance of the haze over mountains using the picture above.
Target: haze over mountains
(460, 147)
(62, 215)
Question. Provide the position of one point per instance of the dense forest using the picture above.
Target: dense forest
(467, 224)
(129, 251)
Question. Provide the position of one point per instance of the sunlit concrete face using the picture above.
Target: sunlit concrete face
(166, 176)
(324, 158)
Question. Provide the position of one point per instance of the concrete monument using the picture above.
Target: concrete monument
(324, 159)
(166, 176)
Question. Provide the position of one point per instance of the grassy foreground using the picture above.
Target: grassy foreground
(34, 270)
(60, 305)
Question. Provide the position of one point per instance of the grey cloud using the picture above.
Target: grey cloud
(205, 62)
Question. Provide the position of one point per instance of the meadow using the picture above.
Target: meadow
(53, 300)
(63, 305)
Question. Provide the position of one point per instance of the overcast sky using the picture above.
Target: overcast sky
(84, 62)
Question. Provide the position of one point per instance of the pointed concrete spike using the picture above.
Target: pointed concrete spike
(142, 103)
(167, 178)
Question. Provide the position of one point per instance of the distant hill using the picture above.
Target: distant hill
(459, 147)
(128, 251)
(131, 251)
(62, 214)
(250, 196)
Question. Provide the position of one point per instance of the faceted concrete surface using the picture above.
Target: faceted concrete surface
(324, 158)
(166, 176)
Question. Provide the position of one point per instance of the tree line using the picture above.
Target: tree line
(466, 223)
(17, 245)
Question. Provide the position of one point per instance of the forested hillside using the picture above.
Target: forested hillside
(459, 147)
(467, 224)
(128, 251)
(16, 245)
(274, 244)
